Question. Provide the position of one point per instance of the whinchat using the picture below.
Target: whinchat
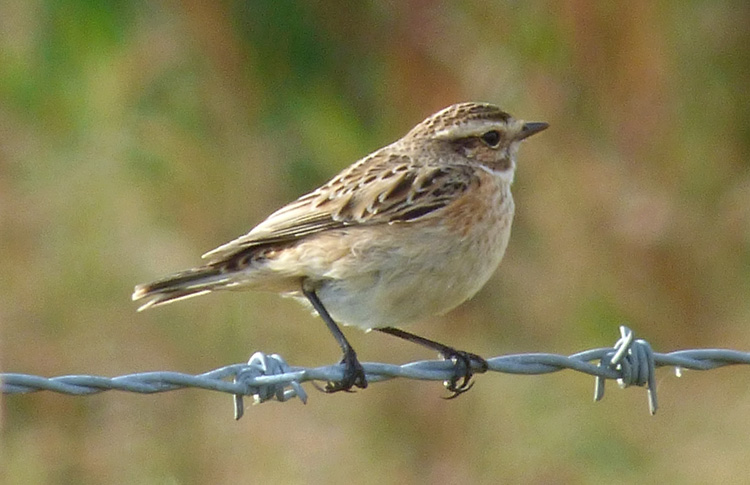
(410, 231)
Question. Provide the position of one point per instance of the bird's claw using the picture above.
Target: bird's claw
(464, 364)
(354, 375)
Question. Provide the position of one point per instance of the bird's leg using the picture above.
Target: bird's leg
(354, 374)
(465, 363)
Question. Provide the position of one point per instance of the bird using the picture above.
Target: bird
(408, 232)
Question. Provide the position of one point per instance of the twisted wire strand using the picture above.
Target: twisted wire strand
(268, 377)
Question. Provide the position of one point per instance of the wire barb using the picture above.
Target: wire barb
(634, 360)
(260, 365)
(268, 377)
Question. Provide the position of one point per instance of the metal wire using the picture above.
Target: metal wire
(268, 377)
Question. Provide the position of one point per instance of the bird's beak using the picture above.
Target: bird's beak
(531, 128)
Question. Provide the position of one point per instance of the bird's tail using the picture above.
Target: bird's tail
(185, 284)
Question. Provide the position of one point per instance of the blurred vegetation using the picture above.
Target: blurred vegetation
(136, 135)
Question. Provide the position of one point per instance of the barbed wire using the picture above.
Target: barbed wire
(268, 377)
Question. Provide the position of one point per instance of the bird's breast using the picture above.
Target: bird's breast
(403, 273)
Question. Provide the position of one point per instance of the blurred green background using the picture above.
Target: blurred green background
(136, 135)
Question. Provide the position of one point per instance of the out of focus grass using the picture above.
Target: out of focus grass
(135, 135)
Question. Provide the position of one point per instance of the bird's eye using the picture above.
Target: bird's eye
(491, 138)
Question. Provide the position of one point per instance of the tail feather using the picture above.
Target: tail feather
(186, 284)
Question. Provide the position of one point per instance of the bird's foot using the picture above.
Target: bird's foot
(354, 375)
(465, 365)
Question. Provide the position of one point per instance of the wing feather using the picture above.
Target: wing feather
(380, 189)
